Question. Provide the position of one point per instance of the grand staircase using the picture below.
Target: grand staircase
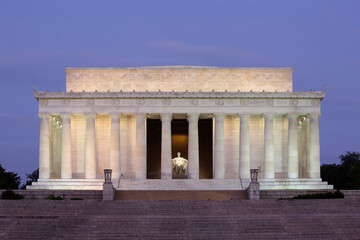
(186, 219)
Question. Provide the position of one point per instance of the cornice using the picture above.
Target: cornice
(174, 95)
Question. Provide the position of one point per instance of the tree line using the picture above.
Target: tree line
(11, 180)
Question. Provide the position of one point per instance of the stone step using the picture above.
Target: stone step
(185, 219)
(181, 195)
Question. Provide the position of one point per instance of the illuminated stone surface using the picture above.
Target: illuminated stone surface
(275, 131)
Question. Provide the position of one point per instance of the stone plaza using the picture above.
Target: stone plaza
(179, 128)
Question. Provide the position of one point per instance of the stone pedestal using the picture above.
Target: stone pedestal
(108, 188)
(253, 191)
(108, 192)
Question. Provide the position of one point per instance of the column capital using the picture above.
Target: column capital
(165, 116)
(90, 114)
(244, 115)
(313, 115)
(65, 115)
(115, 115)
(44, 115)
(271, 114)
(140, 115)
(293, 114)
(219, 115)
(193, 116)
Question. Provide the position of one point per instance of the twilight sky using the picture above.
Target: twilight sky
(320, 40)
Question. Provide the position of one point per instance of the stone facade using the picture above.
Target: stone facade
(258, 122)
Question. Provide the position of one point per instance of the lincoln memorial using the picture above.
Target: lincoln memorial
(179, 128)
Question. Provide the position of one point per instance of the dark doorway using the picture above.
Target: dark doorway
(205, 148)
(153, 148)
(179, 143)
(179, 138)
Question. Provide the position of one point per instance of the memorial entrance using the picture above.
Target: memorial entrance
(179, 146)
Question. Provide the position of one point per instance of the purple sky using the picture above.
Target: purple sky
(38, 39)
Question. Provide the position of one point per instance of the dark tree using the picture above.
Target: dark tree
(33, 177)
(8, 180)
(345, 175)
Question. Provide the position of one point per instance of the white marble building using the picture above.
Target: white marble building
(106, 116)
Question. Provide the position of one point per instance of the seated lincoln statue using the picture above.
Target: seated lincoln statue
(179, 165)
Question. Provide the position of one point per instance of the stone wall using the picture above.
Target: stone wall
(179, 79)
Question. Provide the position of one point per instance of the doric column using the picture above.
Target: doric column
(269, 171)
(193, 146)
(66, 163)
(140, 157)
(244, 147)
(314, 146)
(166, 164)
(219, 164)
(44, 149)
(293, 155)
(90, 158)
(115, 145)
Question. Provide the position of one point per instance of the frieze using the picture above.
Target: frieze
(166, 102)
(281, 102)
(293, 102)
(315, 102)
(43, 102)
(103, 102)
(219, 102)
(140, 102)
(194, 102)
(115, 102)
(90, 102)
(65, 102)
(77, 102)
(244, 102)
(270, 102)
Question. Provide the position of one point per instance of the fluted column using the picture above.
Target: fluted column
(44, 149)
(115, 145)
(66, 163)
(219, 164)
(314, 146)
(244, 147)
(293, 155)
(269, 171)
(90, 157)
(308, 146)
(140, 160)
(193, 146)
(166, 164)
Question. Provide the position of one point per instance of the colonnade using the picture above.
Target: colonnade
(193, 146)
